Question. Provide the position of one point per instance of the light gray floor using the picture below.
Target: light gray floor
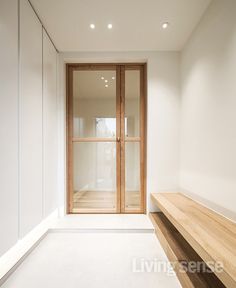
(104, 221)
(89, 260)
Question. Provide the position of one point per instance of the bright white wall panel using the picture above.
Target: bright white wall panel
(9, 124)
(50, 126)
(31, 185)
(208, 141)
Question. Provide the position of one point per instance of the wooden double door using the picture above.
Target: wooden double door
(106, 112)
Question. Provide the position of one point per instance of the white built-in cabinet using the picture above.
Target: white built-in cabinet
(8, 124)
(50, 162)
(31, 119)
(28, 122)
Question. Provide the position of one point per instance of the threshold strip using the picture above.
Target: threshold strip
(97, 230)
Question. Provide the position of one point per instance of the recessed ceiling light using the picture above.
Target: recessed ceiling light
(165, 25)
(109, 26)
(106, 85)
(106, 80)
(92, 26)
(102, 78)
(113, 78)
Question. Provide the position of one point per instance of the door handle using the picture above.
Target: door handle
(118, 139)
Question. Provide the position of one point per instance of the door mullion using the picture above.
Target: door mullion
(118, 135)
(122, 138)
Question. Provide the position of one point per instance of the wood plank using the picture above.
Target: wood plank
(96, 200)
(211, 235)
(179, 253)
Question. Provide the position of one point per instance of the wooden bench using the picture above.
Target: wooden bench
(188, 231)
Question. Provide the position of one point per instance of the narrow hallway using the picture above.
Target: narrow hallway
(96, 251)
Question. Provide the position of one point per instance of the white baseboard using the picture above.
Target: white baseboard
(13, 257)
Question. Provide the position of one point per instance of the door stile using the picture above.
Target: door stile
(143, 138)
(69, 139)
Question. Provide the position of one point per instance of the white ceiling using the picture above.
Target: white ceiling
(136, 23)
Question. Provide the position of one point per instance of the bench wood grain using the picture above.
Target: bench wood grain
(182, 255)
(211, 235)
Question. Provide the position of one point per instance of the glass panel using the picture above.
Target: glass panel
(132, 175)
(94, 104)
(94, 176)
(106, 126)
(132, 102)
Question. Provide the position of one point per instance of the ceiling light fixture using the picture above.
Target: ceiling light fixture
(102, 78)
(106, 85)
(165, 25)
(113, 78)
(109, 26)
(106, 80)
(92, 26)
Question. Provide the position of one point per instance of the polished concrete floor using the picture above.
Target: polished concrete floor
(97, 251)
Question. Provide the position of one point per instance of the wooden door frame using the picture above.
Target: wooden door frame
(120, 110)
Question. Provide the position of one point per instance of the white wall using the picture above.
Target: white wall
(163, 114)
(208, 134)
(28, 117)
(9, 124)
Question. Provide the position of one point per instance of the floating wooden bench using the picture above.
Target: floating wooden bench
(188, 231)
